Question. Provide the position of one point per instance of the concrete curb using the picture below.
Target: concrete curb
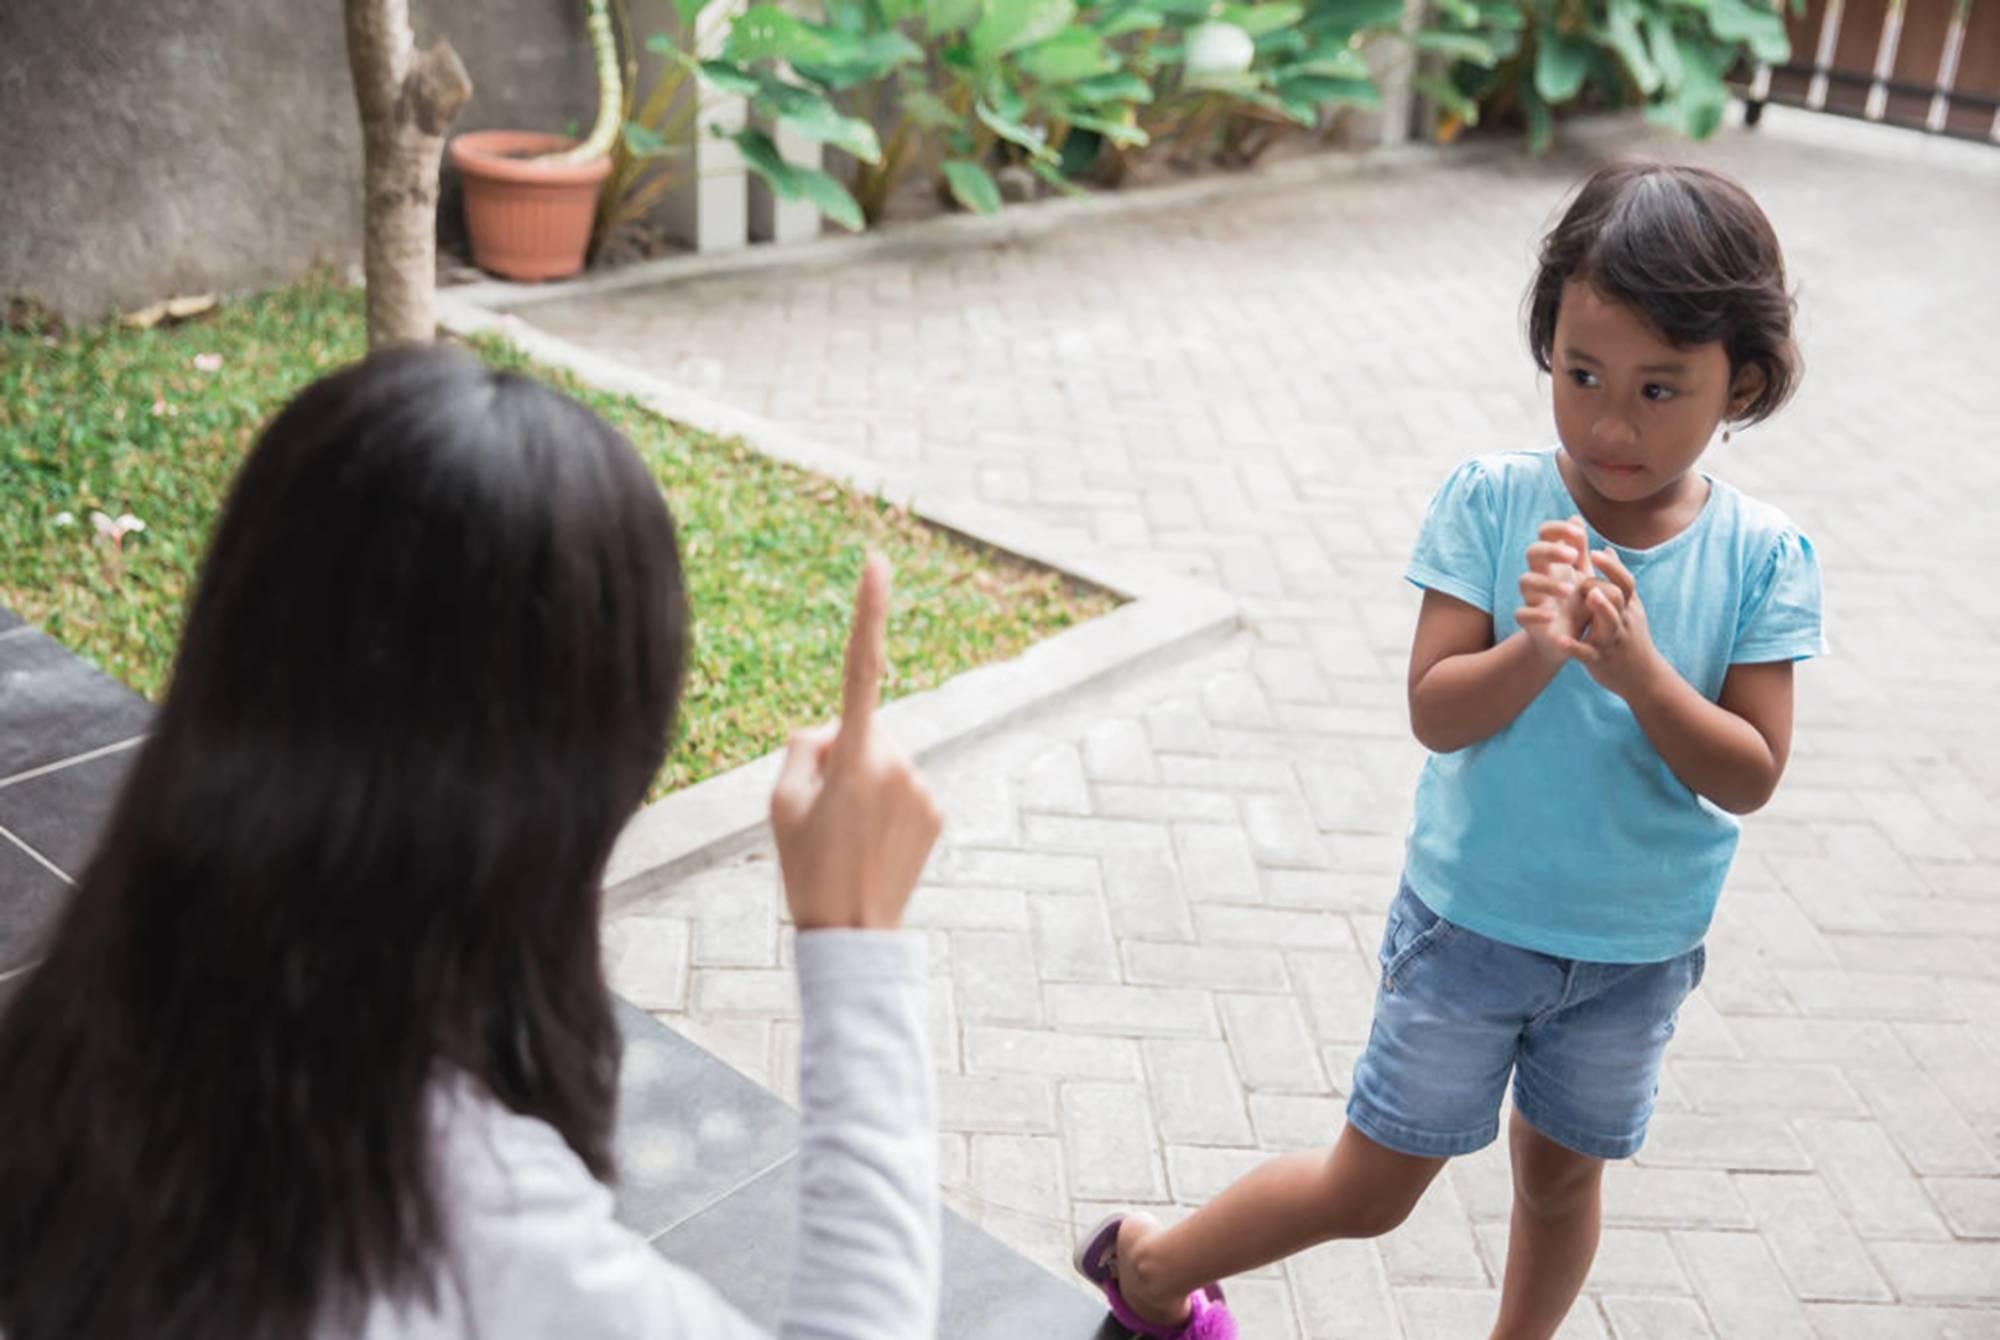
(1165, 617)
(1010, 224)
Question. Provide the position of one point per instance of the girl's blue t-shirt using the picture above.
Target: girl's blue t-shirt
(1566, 832)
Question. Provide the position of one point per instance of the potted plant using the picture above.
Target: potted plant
(530, 197)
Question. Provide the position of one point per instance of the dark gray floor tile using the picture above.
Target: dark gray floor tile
(30, 897)
(743, 1246)
(60, 813)
(992, 1292)
(54, 705)
(689, 1127)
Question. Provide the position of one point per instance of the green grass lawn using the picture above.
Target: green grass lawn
(125, 421)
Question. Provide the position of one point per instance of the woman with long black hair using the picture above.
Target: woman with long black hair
(322, 1045)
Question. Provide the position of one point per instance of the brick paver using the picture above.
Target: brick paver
(1155, 917)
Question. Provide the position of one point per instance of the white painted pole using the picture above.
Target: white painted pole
(709, 208)
(784, 221)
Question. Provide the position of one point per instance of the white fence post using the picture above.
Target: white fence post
(776, 220)
(708, 208)
(1395, 63)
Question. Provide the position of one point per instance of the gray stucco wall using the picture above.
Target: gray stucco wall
(155, 147)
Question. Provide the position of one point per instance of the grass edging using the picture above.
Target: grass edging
(1167, 616)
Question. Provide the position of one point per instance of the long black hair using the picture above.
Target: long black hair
(428, 671)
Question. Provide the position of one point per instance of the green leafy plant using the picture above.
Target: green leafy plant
(954, 90)
(1229, 80)
(794, 71)
(1670, 55)
(656, 137)
(957, 88)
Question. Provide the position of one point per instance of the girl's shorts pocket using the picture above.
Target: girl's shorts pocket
(1413, 930)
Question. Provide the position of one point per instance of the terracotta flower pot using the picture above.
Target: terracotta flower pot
(529, 220)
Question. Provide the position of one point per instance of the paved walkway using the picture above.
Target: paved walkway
(1155, 916)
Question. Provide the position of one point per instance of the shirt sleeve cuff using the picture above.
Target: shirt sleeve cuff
(845, 955)
(1430, 579)
(1793, 649)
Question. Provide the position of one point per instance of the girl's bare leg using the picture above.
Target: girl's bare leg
(1557, 1211)
(1358, 1189)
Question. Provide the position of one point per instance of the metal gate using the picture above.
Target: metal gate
(1930, 65)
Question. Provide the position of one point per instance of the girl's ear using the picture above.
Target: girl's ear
(1744, 389)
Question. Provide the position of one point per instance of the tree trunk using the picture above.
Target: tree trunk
(407, 100)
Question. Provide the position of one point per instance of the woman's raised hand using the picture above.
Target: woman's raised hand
(853, 820)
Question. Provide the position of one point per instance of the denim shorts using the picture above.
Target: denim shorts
(1457, 1013)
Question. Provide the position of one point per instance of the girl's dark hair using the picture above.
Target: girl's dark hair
(428, 671)
(1688, 249)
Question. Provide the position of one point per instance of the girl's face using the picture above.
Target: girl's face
(1634, 412)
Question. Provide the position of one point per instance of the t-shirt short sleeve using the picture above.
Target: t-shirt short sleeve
(1780, 619)
(1458, 546)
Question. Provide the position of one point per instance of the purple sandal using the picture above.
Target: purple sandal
(1096, 1260)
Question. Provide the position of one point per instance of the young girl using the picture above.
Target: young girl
(322, 1046)
(1602, 670)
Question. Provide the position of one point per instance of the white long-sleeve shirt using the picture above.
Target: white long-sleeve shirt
(533, 1250)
